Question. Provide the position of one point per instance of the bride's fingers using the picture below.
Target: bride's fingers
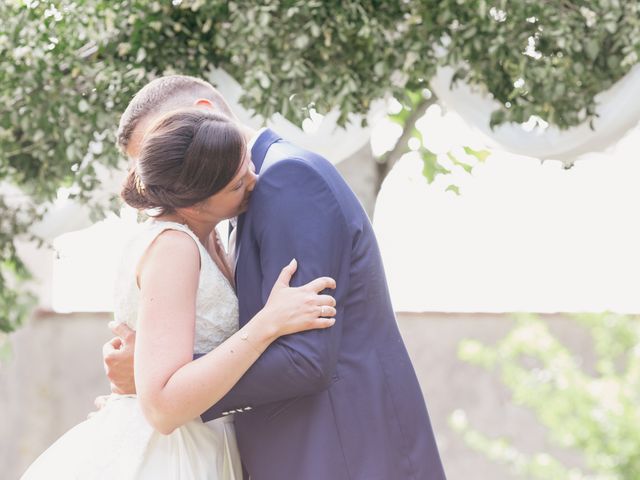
(326, 322)
(321, 322)
(320, 284)
(326, 311)
(287, 272)
(326, 300)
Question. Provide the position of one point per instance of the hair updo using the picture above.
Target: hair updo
(186, 157)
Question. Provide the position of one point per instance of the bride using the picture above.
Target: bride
(176, 289)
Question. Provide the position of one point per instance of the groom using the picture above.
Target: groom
(336, 404)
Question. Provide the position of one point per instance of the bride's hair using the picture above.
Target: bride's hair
(186, 156)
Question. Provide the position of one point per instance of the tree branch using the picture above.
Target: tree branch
(386, 162)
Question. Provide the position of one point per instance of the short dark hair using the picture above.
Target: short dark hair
(186, 157)
(167, 91)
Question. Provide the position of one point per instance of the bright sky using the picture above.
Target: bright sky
(522, 236)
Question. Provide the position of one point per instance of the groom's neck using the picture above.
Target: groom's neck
(248, 133)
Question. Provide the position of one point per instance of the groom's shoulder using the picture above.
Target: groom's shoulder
(294, 173)
(295, 160)
(290, 172)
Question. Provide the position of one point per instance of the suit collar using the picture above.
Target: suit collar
(261, 146)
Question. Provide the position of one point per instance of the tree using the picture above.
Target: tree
(595, 413)
(68, 68)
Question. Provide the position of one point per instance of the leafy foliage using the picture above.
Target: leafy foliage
(595, 413)
(413, 105)
(68, 68)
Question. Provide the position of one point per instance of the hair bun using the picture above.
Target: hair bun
(186, 156)
(133, 192)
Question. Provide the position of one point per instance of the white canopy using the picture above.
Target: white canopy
(618, 112)
(319, 134)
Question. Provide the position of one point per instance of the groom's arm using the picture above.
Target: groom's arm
(296, 216)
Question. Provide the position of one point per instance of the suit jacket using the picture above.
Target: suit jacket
(341, 403)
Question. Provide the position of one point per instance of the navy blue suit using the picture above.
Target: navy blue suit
(341, 403)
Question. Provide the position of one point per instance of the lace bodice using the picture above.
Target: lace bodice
(216, 301)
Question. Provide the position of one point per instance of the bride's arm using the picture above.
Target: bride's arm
(173, 388)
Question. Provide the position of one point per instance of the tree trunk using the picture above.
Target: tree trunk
(359, 170)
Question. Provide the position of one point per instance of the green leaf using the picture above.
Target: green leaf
(592, 47)
(467, 168)
(431, 167)
(498, 117)
(481, 155)
(453, 188)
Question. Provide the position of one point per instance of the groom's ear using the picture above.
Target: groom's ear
(203, 102)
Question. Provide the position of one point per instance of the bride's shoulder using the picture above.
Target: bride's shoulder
(165, 242)
(172, 241)
(166, 234)
(171, 254)
(175, 242)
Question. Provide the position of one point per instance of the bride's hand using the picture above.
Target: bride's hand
(296, 309)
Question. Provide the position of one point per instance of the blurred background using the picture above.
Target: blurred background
(493, 144)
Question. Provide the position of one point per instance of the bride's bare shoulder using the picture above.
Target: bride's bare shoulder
(172, 252)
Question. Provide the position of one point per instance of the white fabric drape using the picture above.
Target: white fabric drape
(618, 109)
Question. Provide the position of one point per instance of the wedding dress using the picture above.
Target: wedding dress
(117, 442)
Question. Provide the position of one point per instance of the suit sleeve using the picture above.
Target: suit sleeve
(296, 216)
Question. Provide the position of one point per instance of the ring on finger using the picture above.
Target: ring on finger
(322, 311)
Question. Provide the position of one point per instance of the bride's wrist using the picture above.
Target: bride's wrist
(260, 331)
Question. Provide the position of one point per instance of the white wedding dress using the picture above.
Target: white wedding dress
(117, 443)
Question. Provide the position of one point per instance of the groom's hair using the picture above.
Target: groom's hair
(163, 94)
